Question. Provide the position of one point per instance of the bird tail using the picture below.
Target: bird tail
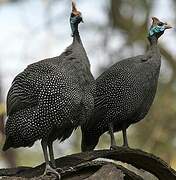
(7, 143)
(89, 141)
(67, 134)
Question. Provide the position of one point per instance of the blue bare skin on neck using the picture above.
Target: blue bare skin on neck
(156, 29)
(74, 21)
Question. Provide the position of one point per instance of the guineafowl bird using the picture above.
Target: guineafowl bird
(125, 92)
(51, 98)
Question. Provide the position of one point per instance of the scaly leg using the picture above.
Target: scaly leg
(125, 139)
(48, 168)
(111, 132)
(51, 153)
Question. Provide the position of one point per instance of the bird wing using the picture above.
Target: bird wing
(100, 106)
(22, 93)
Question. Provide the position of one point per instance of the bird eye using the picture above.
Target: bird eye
(160, 24)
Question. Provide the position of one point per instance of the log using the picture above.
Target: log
(93, 166)
(135, 157)
(79, 172)
(83, 163)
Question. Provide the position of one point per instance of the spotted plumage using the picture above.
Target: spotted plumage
(124, 93)
(51, 98)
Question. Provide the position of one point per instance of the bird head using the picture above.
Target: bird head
(157, 28)
(75, 18)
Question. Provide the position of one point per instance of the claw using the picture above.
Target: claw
(60, 170)
(50, 170)
(114, 147)
(70, 169)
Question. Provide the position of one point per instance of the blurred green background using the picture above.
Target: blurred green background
(113, 30)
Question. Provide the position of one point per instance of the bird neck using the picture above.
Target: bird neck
(76, 37)
(79, 50)
(154, 52)
(75, 32)
(153, 42)
(153, 49)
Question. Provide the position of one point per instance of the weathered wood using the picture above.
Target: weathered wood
(86, 170)
(109, 172)
(129, 175)
(137, 158)
(93, 166)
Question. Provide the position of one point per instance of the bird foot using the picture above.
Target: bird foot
(70, 169)
(53, 165)
(49, 170)
(114, 147)
(62, 171)
(125, 146)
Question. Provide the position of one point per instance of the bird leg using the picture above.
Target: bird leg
(111, 132)
(48, 168)
(125, 139)
(51, 153)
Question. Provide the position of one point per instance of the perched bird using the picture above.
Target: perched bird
(125, 92)
(51, 98)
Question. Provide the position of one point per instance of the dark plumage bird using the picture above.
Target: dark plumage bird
(51, 98)
(125, 92)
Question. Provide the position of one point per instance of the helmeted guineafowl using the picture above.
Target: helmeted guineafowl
(51, 98)
(125, 92)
